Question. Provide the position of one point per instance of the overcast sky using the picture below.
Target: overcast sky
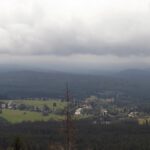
(75, 34)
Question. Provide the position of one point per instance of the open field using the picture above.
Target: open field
(39, 103)
(16, 116)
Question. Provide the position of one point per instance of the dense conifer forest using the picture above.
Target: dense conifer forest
(51, 136)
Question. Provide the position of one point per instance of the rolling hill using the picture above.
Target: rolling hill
(23, 84)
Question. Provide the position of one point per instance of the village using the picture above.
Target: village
(107, 111)
(44, 107)
(100, 110)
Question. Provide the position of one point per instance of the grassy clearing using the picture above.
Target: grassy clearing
(40, 103)
(16, 116)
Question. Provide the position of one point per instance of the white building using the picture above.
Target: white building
(78, 111)
(3, 106)
(132, 114)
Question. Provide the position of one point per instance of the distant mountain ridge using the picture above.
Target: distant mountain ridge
(134, 72)
(21, 84)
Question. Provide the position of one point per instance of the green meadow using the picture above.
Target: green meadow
(40, 103)
(17, 116)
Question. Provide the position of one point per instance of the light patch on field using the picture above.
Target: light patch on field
(143, 121)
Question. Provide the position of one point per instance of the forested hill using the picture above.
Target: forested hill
(19, 84)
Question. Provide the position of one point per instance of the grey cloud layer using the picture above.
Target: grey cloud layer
(83, 27)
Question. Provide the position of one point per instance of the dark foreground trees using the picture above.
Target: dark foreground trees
(50, 136)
